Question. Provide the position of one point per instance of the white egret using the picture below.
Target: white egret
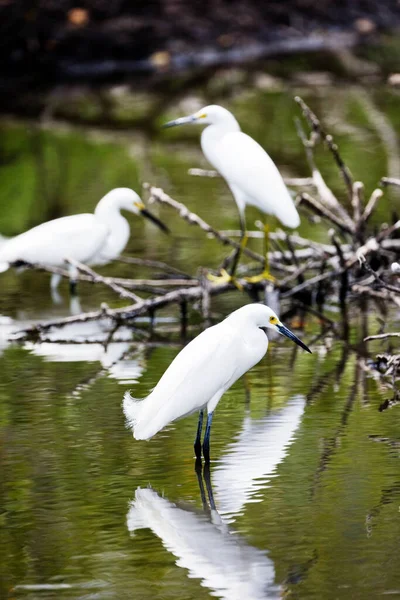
(202, 372)
(248, 170)
(91, 238)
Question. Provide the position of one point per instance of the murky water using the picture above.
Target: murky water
(303, 493)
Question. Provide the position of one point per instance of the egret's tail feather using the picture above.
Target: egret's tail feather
(143, 416)
(132, 408)
(4, 266)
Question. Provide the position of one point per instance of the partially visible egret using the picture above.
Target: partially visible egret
(93, 239)
(202, 372)
(248, 170)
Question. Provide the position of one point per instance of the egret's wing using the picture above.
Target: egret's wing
(246, 166)
(78, 236)
(205, 367)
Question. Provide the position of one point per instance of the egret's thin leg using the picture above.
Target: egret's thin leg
(243, 243)
(226, 277)
(265, 274)
(206, 443)
(197, 443)
(207, 479)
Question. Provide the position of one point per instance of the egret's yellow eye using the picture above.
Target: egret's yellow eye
(139, 205)
(273, 320)
(201, 116)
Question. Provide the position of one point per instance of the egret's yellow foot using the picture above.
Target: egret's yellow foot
(265, 275)
(224, 277)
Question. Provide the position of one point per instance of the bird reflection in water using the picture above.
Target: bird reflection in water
(205, 545)
(251, 460)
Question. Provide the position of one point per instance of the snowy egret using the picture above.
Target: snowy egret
(93, 239)
(248, 170)
(203, 371)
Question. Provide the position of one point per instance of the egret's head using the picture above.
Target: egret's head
(127, 199)
(209, 115)
(272, 322)
(264, 318)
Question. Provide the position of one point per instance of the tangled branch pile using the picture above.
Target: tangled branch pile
(353, 263)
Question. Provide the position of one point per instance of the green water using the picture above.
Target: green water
(305, 469)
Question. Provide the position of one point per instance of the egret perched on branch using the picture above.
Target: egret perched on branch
(203, 371)
(93, 239)
(248, 170)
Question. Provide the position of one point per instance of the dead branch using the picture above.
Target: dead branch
(325, 193)
(320, 210)
(128, 312)
(96, 278)
(378, 278)
(357, 200)
(119, 281)
(375, 196)
(153, 264)
(390, 181)
(328, 139)
(382, 336)
(291, 181)
(158, 195)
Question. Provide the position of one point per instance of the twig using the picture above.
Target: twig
(126, 283)
(122, 292)
(378, 278)
(317, 128)
(375, 196)
(292, 181)
(390, 181)
(128, 312)
(382, 336)
(357, 198)
(153, 264)
(360, 290)
(324, 212)
(325, 193)
(158, 195)
(204, 173)
(310, 282)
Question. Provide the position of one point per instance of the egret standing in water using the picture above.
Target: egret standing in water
(203, 371)
(247, 169)
(93, 239)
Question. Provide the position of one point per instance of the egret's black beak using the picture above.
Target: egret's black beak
(289, 334)
(181, 121)
(154, 219)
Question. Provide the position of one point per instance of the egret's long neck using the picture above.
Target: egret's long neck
(108, 212)
(213, 134)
